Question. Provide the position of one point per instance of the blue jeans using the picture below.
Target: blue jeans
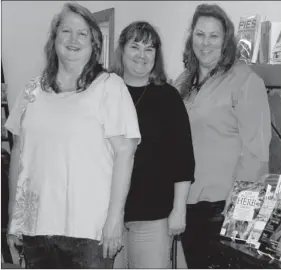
(147, 244)
(63, 252)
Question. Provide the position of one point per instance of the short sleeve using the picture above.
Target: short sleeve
(118, 115)
(14, 119)
(179, 133)
(24, 97)
(254, 125)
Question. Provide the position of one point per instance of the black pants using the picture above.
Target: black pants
(63, 252)
(203, 225)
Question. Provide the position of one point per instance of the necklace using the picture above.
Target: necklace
(199, 85)
(141, 96)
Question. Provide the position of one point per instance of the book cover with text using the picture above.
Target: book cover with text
(270, 240)
(245, 203)
(273, 190)
(248, 38)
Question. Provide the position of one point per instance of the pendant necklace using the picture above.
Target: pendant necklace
(141, 96)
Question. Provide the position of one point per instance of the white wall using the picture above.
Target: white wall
(25, 25)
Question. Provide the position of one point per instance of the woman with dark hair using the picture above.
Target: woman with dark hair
(230, 123)
(164, 161)
(76, 132)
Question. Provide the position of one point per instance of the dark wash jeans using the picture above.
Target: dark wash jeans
(52, 252)
(203, 224)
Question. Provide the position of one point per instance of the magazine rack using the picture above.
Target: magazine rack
(235, 255)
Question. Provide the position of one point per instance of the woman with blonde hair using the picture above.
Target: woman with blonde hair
(76, 132)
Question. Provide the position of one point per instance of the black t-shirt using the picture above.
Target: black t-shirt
(165, 154)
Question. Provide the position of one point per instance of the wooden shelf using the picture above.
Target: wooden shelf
(239, 256)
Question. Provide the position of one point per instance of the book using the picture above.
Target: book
(276, 52)
(245, 203)
(272, 192)
(274, 43)
(248, 38)
(264, 43)
(270, 240)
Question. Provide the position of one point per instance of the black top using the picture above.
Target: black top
(164, 156)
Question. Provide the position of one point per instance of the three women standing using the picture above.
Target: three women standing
(76, 131)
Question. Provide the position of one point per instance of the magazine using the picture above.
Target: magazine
(270, 240)
(272, 192)
(245, 203)
(248, 37)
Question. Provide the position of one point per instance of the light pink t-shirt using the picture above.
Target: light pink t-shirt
(66, 159)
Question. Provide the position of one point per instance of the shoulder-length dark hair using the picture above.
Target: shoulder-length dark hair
(145, 32)
(91, 69)
(228, 53)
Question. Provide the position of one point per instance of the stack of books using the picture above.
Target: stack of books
(259, 41)
(253, 215)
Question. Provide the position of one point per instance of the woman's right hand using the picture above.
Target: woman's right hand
(13, 241)
(112, 236)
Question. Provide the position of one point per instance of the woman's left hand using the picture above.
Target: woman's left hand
(176, 221)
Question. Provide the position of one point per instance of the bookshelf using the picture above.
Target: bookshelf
(271, 74)
(237, 255)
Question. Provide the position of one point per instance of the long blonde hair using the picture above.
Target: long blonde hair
(91, 69)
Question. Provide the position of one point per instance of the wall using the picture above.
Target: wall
(25, 25)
